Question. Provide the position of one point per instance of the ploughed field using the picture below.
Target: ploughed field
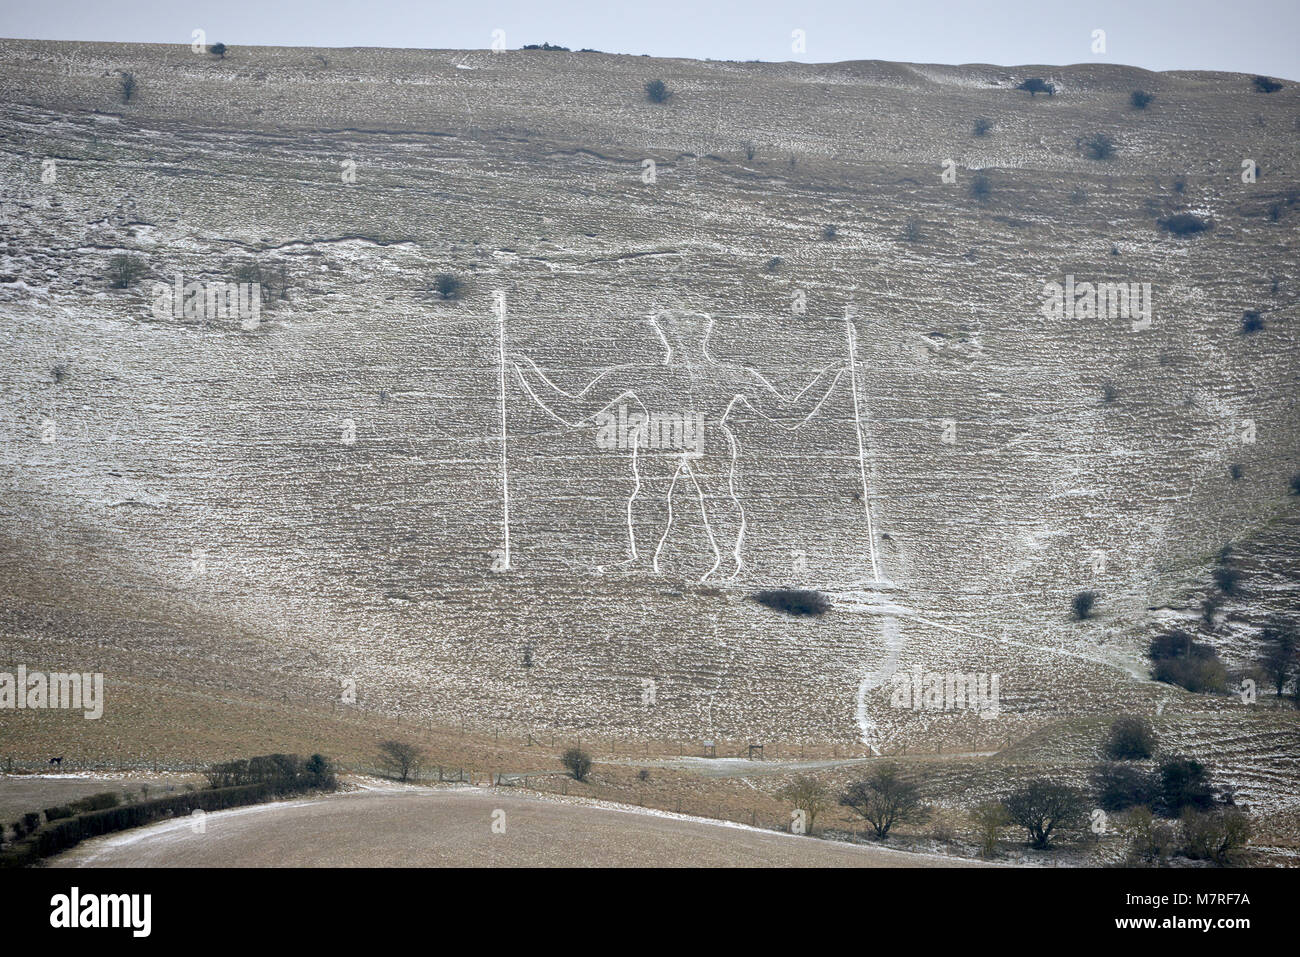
(459, 828)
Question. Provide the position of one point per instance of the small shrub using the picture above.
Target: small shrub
(1131, 738)
(989, 820)
(830, 233)
(1236, 471)
(1141, 99)
(1099, 146)
(1295, 484)
(794, 601)
(751, 150)
(1209, 608)
(805, 793)
(656, 91)
(126, 86)
(1078, 196)
(912, 232)
(983, 126)
(1083, 603)
(218, 50)
(1251, 322)
(57, 812)
(773, 265)
(1109, 393)
(448, 286)
(551, 46)
(1035, 85)
(1266, 85)
(1185, 224)
(124, 270)
(980, 187)
(1150, 839)
(1180, 185)
(577, 762)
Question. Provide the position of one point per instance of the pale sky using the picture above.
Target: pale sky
(1260, 36)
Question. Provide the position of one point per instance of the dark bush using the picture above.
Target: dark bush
(912, 232)
(58, 811)
(1141, 99)
(1251, 322)
(577, 762)
(1236, 471)
(1035, 85)
(1099, 146)
(218, 50)
(1295, 484)
(983, 126)
(830, 233)
(773, 264)
(1043, 808)
(1227, 578)
(1184, 783)
(980, 187)
(656, 91)
(1083, 603)
(448, 286)
(551, 46)
(1178, 659)
(1122, 786)
(1131, 738)
(1185, 224)
(319, 772)
(124, 269)
(794, 601)
(126, 86)
(1266, 85)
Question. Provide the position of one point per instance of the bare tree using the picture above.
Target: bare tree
(400, 759)
(809, 795)
(885, 799)
(1042, 807)
(1279, 655)
(578, 763)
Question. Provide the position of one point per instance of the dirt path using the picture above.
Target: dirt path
(426, 827)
